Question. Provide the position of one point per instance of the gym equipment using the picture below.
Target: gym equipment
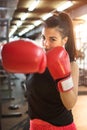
(24, 125)
(15, 114)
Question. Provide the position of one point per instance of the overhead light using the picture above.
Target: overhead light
(19, 23)
(38, 22)
(12, 32)
(65, 5)
(26, 30)
(24, 16)
(33, 5)
(46, 16)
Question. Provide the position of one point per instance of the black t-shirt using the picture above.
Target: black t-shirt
(44, 100)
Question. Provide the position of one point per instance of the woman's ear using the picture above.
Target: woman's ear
(65, 39)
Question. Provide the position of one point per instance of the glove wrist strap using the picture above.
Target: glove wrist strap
(65, 84)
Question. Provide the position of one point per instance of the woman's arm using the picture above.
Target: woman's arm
(69, 98)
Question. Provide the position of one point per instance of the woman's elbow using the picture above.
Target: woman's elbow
(71, 104)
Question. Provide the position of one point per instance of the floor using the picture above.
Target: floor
(19, 120)
(80, 109)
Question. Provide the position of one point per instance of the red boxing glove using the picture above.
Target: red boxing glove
(23, 56)
(58, 64)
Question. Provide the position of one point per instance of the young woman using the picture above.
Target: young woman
(52, 85)
(50, 109)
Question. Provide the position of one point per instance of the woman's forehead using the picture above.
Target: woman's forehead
(50, 32)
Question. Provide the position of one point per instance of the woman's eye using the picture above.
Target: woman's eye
(53, 39)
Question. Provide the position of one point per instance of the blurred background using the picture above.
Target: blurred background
(23, 19)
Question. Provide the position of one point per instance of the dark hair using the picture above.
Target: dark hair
(64, 23)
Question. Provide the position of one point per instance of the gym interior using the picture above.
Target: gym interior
(18, 20)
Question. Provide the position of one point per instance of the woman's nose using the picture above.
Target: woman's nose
(46, 44)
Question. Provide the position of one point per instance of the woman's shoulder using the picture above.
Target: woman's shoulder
(74, 66)
(74, 63)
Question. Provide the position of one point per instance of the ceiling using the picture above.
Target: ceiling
(14, 11)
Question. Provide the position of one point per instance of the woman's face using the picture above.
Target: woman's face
(51, 38)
